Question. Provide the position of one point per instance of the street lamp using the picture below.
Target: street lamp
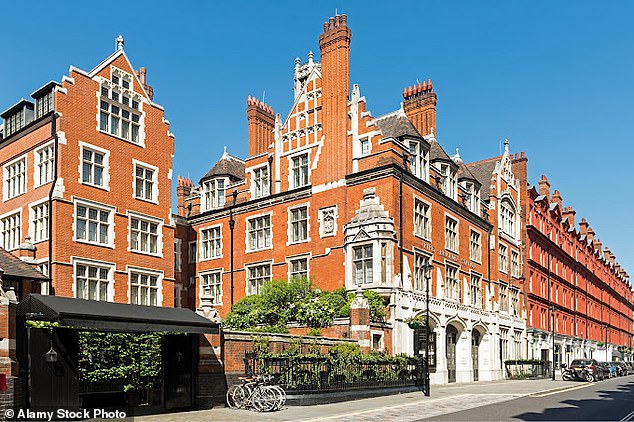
(606, 326)
(428, 267)
(552, 310)
(232, 223)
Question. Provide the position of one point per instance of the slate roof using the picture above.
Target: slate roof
(15, 267)
(482, 171)
(228, 165)
(465, 173)
(396, 124)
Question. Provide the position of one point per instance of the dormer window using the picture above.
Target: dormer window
(214, 193)
(472, 197)
(418, 160)
(44, 105)
(448, 180)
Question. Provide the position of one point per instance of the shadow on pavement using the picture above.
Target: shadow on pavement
(611, 405)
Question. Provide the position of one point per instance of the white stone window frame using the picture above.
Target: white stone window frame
(291, 157)
(271, 226)
(106, 165)
(201, 254)
(192, 257)
(515, 264)
(23, 188)
(247, 271)
(381, 341)
(508, 205)
(155, 179)
(215, 271)
(290, 259)
(32, 224)
(422, 158)
(322, 214)
(160, 275)
(363, 139)
(131, 94)
(18, 212)
(253, 171)
(289, 231)
(178, 292)
(479, 305)
(457, 221)
(372, 244)
(457, 289)
(430, 226)
(111, 221)
(159, 231)
(212, 194)
(419, 252)
(37, 164)
(111, 266)
(178, 255)
(472, 258)
(503, 268)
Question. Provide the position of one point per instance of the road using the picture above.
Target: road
(609, 400)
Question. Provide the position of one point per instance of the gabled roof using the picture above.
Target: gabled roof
(228, 165)
(13, 266)
(482, 171)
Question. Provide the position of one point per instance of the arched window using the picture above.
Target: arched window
(508, 216)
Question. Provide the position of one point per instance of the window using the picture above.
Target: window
(144, 235)
(92, 282)
(40, 222)
(473, 198)
(44, 165)
(420, 344)
(15, 178)
(93, 165)
(300, 170)
(448, 180)
(475, 248)
(508, 218)
(14, 123)
(259, 232)
(504, 344)
(92, 224)
(365, 146)
(421, 219)
(299, 267)
(377, 341)
(119, 113)
(178, 291)
(452, 285)
(211, 287)
(144, 289)
(44, 105)
(503, 259)
(504, 298)
(191, 252)
(211, 242)
(177, 255)
(362, 261)
(144, 182)
(299, 224)
(515, 301)
(11, 231)
(420, 281)
(258, 275)
(475, 288)
(451, 234)
(261, 182)
(515, 264)
(418, 164)
(214, 194)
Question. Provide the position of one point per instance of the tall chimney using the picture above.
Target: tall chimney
(142, 75)
(583, 227)
(544, 187)
(419, 104)
(336, 156)
(557, 198)
(590, 235)
(183, 190)
(261, 122)
(569, 214)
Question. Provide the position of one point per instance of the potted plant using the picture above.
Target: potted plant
(416, 322)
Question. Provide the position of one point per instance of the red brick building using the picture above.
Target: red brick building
(574, 286)
(357, 201)
(86, 180)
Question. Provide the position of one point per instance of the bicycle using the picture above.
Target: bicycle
(258, 393)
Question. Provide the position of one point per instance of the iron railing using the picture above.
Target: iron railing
(302, 374)
(519, 369)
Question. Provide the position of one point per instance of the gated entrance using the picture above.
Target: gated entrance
(475, 346)
(452, 339)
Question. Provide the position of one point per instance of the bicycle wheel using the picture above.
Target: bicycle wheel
(281, 396)
(236, 396)
(264, 399)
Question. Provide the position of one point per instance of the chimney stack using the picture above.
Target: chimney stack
(261, 123)
(598, 246)
(183, 190)
(544, 187)
(590, 235)
(336, 156)
(569, 214)
(557, 198)
(142, 75)
(419, 104)
(583, 227)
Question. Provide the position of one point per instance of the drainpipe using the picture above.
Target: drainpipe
(400, 216)
(50, 200)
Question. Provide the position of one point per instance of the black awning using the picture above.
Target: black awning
(108, 316)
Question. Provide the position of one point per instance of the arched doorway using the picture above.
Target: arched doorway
(451, 340)
(476, 337)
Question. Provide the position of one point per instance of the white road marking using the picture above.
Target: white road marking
(628, 417)
(563, 390)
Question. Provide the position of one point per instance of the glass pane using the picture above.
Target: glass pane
(98, 176)
(85, 175)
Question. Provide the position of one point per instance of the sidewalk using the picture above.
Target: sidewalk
(403, 407)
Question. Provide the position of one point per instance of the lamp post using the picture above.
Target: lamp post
(552, 310)
(232, 223)
(606, 326)
(428, 269)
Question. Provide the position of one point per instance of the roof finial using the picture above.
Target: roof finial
(310, 57)
(120, 42)
(506, 146)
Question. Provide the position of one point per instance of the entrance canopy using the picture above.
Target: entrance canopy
(108, 316)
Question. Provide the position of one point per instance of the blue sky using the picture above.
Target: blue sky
(553, 77)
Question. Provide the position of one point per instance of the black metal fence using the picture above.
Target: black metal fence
(522, 369)
(323, 374)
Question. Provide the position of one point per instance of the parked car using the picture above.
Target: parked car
(621, 368)
(629, 367)
(610, 369)
(592, 366)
